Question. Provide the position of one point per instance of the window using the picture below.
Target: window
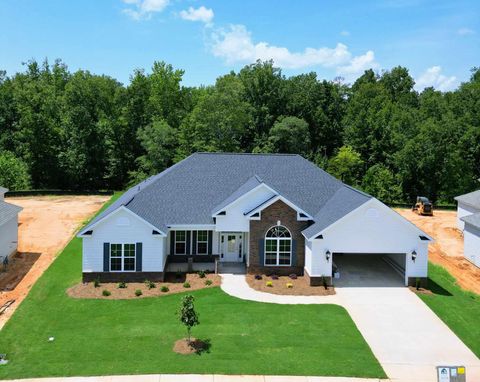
(122, 257)
(180, 242)
(202, 242)
(278, 246)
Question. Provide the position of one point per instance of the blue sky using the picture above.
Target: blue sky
(438, 41)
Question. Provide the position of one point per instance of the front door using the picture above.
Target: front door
(232, 247)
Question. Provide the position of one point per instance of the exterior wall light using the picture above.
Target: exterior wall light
(414, 255)
(327, 255)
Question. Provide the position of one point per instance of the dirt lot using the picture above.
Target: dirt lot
(46, 225)
(447, 250)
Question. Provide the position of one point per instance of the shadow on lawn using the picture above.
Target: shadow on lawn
(437, 289)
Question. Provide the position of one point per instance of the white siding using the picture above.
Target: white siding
(123, 227)
(235, 220)
(372, 228)
(472, 244)
(8, 237)
(464, 210)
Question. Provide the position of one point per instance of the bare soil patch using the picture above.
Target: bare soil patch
(300, 286)
(447, 250)
(194, 346)
(174, 285)
(46, 225)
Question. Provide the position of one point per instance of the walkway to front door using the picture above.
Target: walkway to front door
(231, 247)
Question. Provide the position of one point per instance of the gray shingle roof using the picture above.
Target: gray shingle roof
(473, 220)
(188, 192)
(249, 185)
(472, 199)
(8, 211)
(3, 190)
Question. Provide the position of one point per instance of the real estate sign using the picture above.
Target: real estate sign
(451, 373)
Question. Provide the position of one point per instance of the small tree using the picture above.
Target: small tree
(187, 314)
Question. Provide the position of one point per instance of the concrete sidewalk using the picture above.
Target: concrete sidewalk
(200, 378)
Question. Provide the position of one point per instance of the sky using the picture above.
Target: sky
(438, 41)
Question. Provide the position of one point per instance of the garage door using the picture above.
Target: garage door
(369, 270)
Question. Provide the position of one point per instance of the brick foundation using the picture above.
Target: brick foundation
(318, 280)
(412, 281)
(113, 277)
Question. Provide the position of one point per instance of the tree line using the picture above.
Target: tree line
(77, 130)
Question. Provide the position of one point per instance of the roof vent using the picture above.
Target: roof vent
(155, 232)
(88, 232)
(319, 237)
(424, 238)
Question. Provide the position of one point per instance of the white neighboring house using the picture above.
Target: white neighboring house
(8, 227)
(468, 204)
(468, 220)
(276, 213)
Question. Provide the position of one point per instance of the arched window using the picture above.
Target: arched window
(278, 246)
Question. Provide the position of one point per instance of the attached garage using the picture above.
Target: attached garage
(368, 240)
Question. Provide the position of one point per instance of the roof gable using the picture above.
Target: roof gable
(472, 199)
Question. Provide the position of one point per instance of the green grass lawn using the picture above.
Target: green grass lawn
(459, 309)
(102, 337)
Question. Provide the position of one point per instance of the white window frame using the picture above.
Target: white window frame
(203, 242)
(277, 239)
(122, 257)
(179, 241)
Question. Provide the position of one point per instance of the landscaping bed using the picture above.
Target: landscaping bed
(286, 285)
(173, 284)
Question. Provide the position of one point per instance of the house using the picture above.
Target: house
(467, 204)
(276, 213)
(8, 227)
(468, 220)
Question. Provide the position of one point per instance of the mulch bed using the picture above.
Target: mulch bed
(420, 290)
(195, 346)
(300, 286)
(174, 284)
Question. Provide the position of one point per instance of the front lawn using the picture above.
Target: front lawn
(102, 337)
(459, 309)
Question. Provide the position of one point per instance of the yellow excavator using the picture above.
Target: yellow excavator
(423, 206)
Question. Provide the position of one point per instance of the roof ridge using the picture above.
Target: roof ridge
(253, 154)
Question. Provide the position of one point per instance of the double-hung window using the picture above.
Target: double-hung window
(202, 242)
(278, 246)
(122, 257)
(180, 242)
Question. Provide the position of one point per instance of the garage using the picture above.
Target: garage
(368, 270)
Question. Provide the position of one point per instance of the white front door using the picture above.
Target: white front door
(232, 247)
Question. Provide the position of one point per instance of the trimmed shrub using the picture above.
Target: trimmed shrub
(269, 284)
(293, 276)
(122, 285)
(258, 277)
(96, 283)
(289, 285)
(164, 289)
(274, 277)
(208, 282)
(201, 274)
(186, 284)
(138, 292)
(106, 293)
(150, 284)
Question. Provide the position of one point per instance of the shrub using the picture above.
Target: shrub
(269, 284)
(274, 277)
(150, 284)
(417, 283)
(96, 283)
(122, 285)
(293, 276)
(289, 285)
(106, 293)
(258, 277)
(201, 274)
(138, 292)
(164, 289)
(208, 282)
(186, 284)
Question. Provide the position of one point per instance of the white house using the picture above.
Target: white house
(275, 213)
(468, 220)
(8, 226)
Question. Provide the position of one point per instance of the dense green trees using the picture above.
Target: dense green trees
(60, 129)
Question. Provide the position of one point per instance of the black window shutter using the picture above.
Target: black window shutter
(261, 252)
(106, 257)
(172, 242)
(187, 250)
(194, 242)
(294, 252)
(210, 237)
(138, 257)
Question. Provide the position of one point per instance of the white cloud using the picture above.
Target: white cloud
(202, 14)
(143, 9)
(358, 65)
(433, 77)
(465, 31)
(236, 45)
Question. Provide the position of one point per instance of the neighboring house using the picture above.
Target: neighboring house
(468, 220)
(468, 204)
(275, 213)
(8, 227)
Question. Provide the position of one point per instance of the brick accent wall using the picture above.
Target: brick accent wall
(258, 228)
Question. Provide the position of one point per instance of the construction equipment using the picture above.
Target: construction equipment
(423, 206)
